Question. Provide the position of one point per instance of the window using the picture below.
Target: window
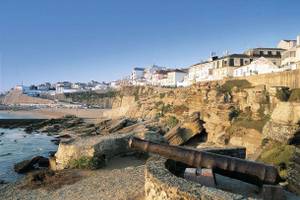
(231, 62)
(269, 53)
(242, 61)
(261, 53)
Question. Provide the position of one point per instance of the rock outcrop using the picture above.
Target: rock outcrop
(284, 122)
(93, 146)
(30, 165)
(185, 131)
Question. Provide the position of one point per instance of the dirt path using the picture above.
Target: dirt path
(123, 179)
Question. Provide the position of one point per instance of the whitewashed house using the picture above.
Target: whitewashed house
(258, 66)
(158, 76)
(150, 74)
(137, 76)
(173, 77)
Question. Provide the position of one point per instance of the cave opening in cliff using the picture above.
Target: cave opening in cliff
(197, 139)
(296, 139)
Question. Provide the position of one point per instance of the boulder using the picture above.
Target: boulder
(185, 131)
(90, 147)
(30, 165)
(118, 125)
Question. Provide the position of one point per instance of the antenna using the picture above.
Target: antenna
(226, 53)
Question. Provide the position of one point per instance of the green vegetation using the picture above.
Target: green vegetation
(162, 95)
(244, 119)
(88, 163)
(90, 97)
(278, 155)
(172, 121)
(295, 95)
(230, 84)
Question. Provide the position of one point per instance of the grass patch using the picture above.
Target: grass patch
(245, 120)
(278, 155)
(88, 163)
(230, 84)
(295, 95)
(172, 121)
(162, 95)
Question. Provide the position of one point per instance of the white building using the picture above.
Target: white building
(288, 57)
(137, 73)
(258, 66)
(61, 88)
(173, 78)
(298, 49)
(151, 74)
(138, 76)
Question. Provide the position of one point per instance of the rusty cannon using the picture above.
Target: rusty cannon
(248, 171)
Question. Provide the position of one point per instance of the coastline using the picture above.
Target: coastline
(48, 113)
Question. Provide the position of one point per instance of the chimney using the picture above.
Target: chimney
(298, 40)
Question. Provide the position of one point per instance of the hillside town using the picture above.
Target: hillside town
(255, 61)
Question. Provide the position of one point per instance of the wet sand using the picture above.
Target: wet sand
(93, 114)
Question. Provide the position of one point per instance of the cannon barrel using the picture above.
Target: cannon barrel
(249, 171)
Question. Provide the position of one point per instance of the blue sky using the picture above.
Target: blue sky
(81, 40)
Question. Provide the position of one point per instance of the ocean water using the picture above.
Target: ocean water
(16, 146)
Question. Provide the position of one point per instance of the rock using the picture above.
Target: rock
(56, 141)
(185, 131)
(118, 125)
(2, 182)
(65, 136)
(33, 164)
(284, 122)
(51, 153)
(2, 133)
(52, 129)
(91, 147)
(293, 172)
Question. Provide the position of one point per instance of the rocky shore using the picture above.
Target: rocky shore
(233, 115)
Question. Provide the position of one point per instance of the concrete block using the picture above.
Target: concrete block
(273, 192)
(203, 176)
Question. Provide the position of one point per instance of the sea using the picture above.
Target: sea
(17, 145)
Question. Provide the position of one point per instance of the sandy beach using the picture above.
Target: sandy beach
(92, 114)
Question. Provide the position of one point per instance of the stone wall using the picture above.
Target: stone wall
(288, 79)
(161, 184)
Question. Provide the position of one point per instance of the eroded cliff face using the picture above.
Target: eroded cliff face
(283, 125)
(233, 114)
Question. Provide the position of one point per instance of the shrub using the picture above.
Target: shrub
(278, 155)
(240, 84)
(172, 121)
(88, 163)
(295, 95)
(166, 108)
(162, 95)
